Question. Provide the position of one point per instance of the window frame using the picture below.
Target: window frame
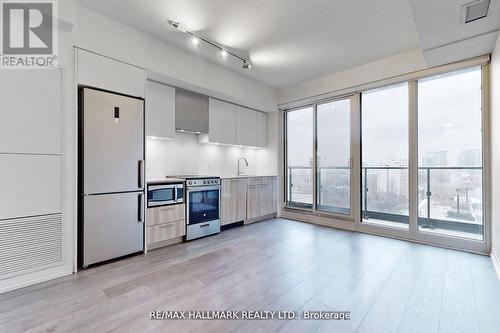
(409, 124)
(354, 222)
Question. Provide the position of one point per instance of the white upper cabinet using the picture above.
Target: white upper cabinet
(222, 122)
(261, 129)
(102, 72)
(160, 110)
(30, 111)
(246, 127)
(235, 125)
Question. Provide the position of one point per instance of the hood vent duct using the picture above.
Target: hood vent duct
(191, 112)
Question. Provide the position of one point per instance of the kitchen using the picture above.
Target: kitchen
(184, 132)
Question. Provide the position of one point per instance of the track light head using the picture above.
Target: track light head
(246, 65)
(177, 25)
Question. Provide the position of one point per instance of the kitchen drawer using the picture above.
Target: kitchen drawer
(164, 214)
(165, 231)
(257, 181)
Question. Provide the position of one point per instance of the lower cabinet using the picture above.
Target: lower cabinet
(165, 225)
(162, 214)
(256, 201)
(165, 231)
(233, 200)
(262, 197)
(272, 195)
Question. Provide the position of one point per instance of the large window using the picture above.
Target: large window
(299, 143)
(384, 170)
(404, 159)
(450, 187)
(334, 156)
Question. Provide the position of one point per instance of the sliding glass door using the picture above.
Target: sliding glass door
(319, 157)
(450, 155)
(299, 153)
(333, 132)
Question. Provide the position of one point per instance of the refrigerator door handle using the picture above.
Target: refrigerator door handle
(139, 208)
(139, 173)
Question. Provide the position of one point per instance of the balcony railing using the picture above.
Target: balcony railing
(449, 198)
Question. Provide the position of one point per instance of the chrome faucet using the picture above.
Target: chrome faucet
(246, 163)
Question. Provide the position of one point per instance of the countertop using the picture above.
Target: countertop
(164, 180)
(246, 176)
(177, 180)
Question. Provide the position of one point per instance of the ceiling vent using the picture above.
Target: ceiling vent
(475, 10)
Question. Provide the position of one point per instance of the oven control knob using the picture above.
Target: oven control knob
(212, 181)
(205, 182)
(190, 182)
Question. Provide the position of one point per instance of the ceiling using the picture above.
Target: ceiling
(291, 41)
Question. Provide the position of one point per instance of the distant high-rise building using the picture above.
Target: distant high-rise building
(435, 158)
(469, 157)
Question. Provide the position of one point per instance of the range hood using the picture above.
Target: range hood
(191, 111)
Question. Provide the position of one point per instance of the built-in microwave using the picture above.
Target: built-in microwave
(165, 194)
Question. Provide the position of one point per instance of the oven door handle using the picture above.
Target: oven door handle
(205, 188)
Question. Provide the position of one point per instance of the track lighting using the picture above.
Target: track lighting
(195, 40)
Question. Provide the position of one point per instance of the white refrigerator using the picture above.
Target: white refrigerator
(111, 176)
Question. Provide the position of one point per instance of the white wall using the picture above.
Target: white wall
(185, 155)
(495, 148)
(400, 64)
(167, 63)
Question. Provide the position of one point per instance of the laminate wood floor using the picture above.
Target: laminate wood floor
(388, 286)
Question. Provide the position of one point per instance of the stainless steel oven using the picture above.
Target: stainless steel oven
(165, 194)
(202, 207)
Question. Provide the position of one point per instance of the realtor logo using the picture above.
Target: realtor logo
(29, 34)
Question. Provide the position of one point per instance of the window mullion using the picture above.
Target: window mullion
(413, 156)
(315, 159)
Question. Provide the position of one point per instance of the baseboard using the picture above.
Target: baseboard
(34, 278)
(167, 242)
(260, 218)
(496, 262)
(231, 226)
